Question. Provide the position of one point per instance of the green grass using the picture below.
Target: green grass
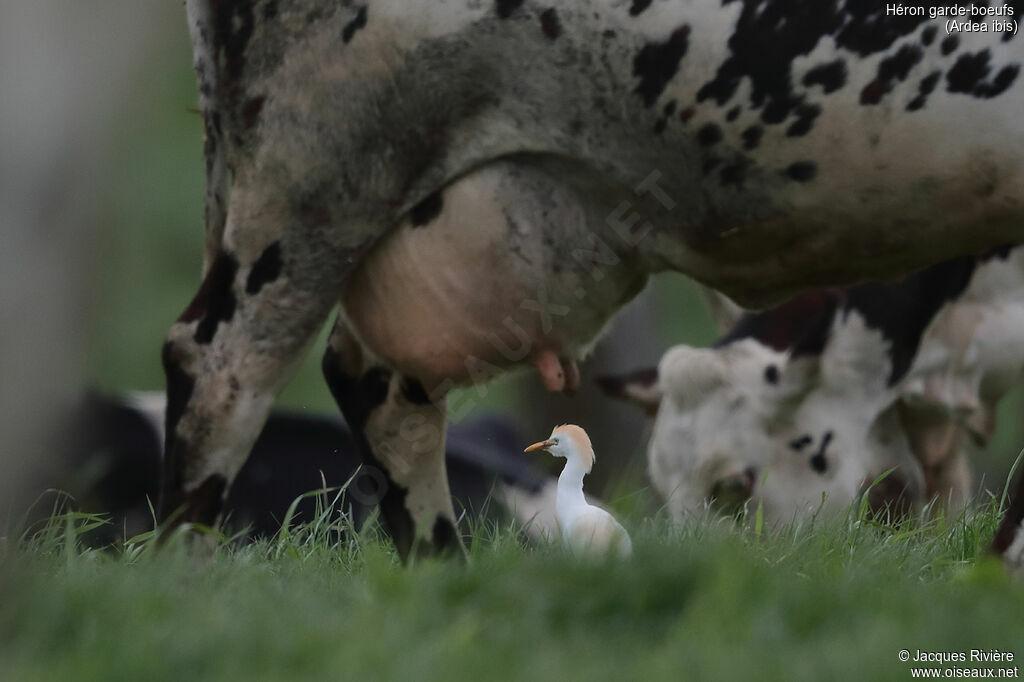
(709, 600)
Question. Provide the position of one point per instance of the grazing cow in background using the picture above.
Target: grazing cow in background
(483, 184)
(112, 467)
(823, 394)
(938, 436)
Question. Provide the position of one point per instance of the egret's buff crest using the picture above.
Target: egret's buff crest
(581, 440)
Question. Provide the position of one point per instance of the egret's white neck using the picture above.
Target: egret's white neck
(570, 487)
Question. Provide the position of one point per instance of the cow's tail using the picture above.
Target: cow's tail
(204, 56)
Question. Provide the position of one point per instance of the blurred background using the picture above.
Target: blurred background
(123, 131)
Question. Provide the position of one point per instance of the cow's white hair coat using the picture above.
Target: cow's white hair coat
(719, 417)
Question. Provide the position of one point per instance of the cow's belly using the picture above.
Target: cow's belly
(500, 276)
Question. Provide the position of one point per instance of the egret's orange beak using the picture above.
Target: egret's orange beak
(543, 445)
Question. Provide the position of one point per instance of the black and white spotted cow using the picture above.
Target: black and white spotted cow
(481, 185)
(803, 406)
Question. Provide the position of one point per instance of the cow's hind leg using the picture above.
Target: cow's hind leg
(401, 433)
(266, 293)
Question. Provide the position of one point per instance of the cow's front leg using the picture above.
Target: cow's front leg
(401, 434)
(229, 355)
(222, 378)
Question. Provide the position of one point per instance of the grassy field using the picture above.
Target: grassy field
(708, 601)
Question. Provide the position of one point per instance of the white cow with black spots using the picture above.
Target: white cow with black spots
(801, 408)
(481, 185)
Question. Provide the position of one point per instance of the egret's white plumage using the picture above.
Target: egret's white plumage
(584, 527)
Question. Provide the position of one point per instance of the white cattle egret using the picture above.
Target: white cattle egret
(584, 527)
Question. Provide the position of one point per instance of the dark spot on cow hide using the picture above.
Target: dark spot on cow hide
(374, 385)
(800, 325)
(818, 461)
(180, 385)
(251, 111)
(873, 92)
(505, 8)
(949, 44)
(353, 26)
(709, 135)
(215, 300)
(806, 113)
(732, 114)
(802, 171)
(205, 503)
(752, 137)
(669, 110)
(413, 391)
(894, 68)
(969, 74)
(265, 270)
(928, 35)
(1004, 79)
(800, 443)
(427, 210)
(924, 88)
(771, 374)
(232, 30)
(902, 311)
(657, 63)
(830, 76)
(638, 7)
(444, 537)
(686, 114)
(357, 398)
(735, 173)
(776, 111)
(550, 24)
